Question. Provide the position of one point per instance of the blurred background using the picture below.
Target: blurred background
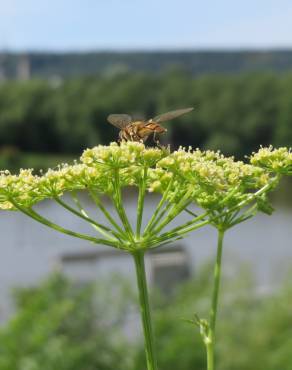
(64, 66)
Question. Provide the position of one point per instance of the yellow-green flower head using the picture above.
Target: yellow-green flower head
(20, 188)
(123, 155)
(204, 177)
(212, 180)
(275, 160)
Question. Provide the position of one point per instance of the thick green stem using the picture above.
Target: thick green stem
(145, 310)
(210, 356)
(210, 340)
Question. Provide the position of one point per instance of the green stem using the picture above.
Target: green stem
(141, 197)
(228, 212)
(189, 226)
(250, 212)
(217, 277)
(210, 340)
(145, 310)
(98, 227)
(153, 219)
(160, 216)
(99, 204)
(118, 203)
(153, 240)
(253, 196)
(37, 217)
(210, 356)
(174, 212)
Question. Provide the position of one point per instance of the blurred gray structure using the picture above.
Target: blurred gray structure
(2, 68)
(30, 251)
(23, 67)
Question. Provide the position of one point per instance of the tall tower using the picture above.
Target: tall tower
(2, 68)
(23, 67)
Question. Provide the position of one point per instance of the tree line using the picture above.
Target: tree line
(236, 114)
(198, 62)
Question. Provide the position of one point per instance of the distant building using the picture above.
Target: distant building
(166, 267)
(23, 67)
(2, 68)
(67, 65)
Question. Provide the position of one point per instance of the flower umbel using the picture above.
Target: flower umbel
(274, 160)
(215, 183)
(224, 192)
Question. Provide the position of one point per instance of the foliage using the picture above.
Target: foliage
(13, 159)
(235, 114)
(254, 331)
(59, 325)
(220, 186)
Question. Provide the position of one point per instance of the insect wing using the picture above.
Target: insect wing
(119, 120)
(171, 115)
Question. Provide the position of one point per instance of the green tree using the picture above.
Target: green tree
(233, 113)
(62, 326)
(254, 331)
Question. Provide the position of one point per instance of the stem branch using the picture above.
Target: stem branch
(118, 203)
(141, 197)
(97, 226)
(36, 216)
(99, 204)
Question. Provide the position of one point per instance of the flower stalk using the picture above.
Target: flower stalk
(210, 340)
(145, 310)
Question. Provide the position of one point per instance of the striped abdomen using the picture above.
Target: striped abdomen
(140, 130)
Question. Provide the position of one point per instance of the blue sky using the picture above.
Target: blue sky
(144, 24)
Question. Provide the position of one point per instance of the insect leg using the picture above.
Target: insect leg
(155, 139)
(120, 137)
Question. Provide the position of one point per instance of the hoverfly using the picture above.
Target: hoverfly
(140, 130)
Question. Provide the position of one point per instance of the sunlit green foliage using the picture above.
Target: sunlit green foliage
(64, 326)
(235, 114)
(254, 331)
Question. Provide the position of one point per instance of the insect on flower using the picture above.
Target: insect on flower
(140, 130)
